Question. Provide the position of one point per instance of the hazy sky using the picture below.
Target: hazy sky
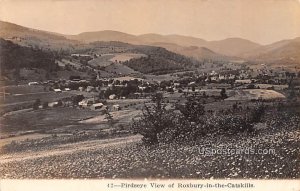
(262, 21)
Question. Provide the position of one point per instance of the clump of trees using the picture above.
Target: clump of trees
(190, 122)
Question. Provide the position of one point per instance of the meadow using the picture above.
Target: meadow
(135, 160)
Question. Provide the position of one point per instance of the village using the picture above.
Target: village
(91, 93)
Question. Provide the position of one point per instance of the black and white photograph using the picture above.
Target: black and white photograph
(150, 89)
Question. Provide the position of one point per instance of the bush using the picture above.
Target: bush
(36, 104)
(193, 110)
(154, 120)
(233, 124)
(45, 104)
(257, 113)
(190, 125)
(223, 93)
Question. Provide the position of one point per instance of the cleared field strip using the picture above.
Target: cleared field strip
(256, 94)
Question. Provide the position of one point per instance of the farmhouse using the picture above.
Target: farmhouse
(57, 90)
(33, 83)
(86, 102)
(97, 106)
(142, 88)
(53, 104)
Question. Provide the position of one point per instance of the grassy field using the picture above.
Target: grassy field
(126, 56)
(24, 89)
(43, 96)
(120, 69)
(44, 120)
(256, 94)
(129, 159)
(67, 142)
(103, 60)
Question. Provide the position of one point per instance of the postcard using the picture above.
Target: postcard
(149, 95)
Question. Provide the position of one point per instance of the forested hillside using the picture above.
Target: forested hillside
(159, 61)
(13, 56)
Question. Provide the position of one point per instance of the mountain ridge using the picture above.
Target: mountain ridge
(225, 49)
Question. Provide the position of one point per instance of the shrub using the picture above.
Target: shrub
(233, 124)
(193, 110)
(45, 104)
(190, 125)
(154, 120)
(257, 113)
(109, 118)
(223, 93)
(36, 104)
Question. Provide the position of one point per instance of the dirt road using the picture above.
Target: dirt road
(70, 148)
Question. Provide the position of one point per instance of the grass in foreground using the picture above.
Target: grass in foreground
(172, 161)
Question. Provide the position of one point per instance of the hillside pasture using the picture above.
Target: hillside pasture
(119, 69)
(125, 57)
(256, 94)
(43, 120)
(102, 61)
(23, 89)
(43, 96)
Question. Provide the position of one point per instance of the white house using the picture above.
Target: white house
(86, 102)
(57, 90)
(97, 106)
(33, 83)
(142, 88)
(53, 104)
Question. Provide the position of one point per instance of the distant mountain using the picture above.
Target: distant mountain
(199, 53)
(173, 39)
(286, 51)
(107, 35)
(34, 38)
(282, 52)
(232, 46)
(228, 47)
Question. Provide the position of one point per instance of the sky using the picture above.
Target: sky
(261, 21)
